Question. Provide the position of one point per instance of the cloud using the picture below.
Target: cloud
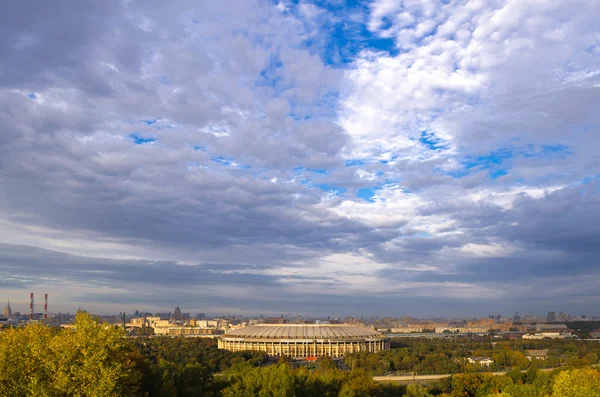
(316, 157)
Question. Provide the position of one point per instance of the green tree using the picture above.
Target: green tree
(417, 391)
(467, 385)
(358, 384)
(590, 358)
(272, 381)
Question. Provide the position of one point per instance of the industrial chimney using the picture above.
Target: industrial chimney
(31, 306)
(46, 307)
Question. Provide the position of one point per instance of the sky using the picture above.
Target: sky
(341, 157)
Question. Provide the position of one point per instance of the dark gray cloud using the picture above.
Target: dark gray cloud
(37, 264)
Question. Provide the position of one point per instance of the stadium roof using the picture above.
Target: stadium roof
(304, 331)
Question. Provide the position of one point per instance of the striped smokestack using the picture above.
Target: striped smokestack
(31, 306)
(46, 307)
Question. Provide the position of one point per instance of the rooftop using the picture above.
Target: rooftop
(304, 331)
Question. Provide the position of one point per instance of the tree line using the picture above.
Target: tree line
(423, 356)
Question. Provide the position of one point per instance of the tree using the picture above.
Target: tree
(416, 391)
(275, 380)
(358, 384)
(590, 358)
(92, 360)
(577, 383)
(516, 375)
(467, 385)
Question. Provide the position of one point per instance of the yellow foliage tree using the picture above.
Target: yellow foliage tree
(577, 383)
(91, 360)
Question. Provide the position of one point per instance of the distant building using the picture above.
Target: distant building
(415, 328)
(405, 330)
(529, 318)
(483, 361)
(536, 354)
(278, 320)
(548, 335)
(551, 317)
(550, 327)
(595, 334)
(7, 310)
(563, 317)
(462, 330)
(177, 314)
(190, 331)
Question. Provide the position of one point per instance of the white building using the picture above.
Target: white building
(483, 361)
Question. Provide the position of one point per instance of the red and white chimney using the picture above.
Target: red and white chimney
(31, 306)
(46, 307)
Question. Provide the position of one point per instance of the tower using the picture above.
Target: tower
(46, 307)
(7, 310)
(31, 306)
(177, 315)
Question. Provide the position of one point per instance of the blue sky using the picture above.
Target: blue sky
(375, 156)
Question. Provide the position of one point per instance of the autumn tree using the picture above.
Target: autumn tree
(577, 383)
(92, 360)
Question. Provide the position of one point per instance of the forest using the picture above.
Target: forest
(98, 360)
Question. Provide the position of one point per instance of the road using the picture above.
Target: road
(424, 378)
(416, 378)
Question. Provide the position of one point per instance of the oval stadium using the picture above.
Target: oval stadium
(305, 340)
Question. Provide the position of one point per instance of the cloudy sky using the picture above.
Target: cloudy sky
(341, 157)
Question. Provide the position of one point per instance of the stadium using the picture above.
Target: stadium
(301, 341)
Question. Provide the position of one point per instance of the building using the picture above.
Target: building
(7, 310)
(541, 354)
(177, 314)
(550, 327)
(548, 335)
(462, 330)
(551, 317)
(405, 330)
(563, 317)
(595, 334)
(415, 328)
(190, 331)
(483, 323)
(529, 318)
(483, 361)
(305, 340)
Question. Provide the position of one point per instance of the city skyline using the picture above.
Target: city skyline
(551, 315)
(343, 157)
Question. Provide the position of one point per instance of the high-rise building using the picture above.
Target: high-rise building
(551, 317)
(529, 318)
(177, 315)
(562, 316)
(7, 310)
